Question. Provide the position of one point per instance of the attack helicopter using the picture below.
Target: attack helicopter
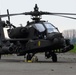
(36, 37)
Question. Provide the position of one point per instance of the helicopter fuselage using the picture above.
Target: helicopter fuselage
(33, 38)
(37, 36)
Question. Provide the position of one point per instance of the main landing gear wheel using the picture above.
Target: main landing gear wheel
(34, 59)
(54, 57)
(31, 58)
(28, 58)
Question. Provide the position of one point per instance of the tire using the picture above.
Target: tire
(54, 57)
(34, 59)
(29, 57)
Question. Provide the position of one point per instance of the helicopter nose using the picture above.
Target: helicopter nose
(58, 40)
(55, 40)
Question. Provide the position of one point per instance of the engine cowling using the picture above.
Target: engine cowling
(19, 32)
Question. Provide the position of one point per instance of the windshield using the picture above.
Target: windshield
(50, 28)
(39, 27)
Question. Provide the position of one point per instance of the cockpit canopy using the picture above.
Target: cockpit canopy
(41, 27)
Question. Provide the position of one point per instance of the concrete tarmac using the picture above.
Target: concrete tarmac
(15, 65)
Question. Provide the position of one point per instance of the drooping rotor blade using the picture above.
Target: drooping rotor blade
(8, 15)
(66, 16)
(25, 13)
(39, 13)
(52, 13)
(5, 15)
(59, 14)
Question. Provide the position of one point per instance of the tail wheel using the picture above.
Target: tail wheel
(54, 57)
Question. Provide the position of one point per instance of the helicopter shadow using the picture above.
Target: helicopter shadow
(56, 62)
(11, 60)
(40, 61)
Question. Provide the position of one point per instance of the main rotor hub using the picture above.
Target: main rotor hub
(36, 14)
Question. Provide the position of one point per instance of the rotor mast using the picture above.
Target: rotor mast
(36, 16)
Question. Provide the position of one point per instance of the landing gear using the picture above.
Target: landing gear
(47, 55)
(34, 59)
(31, 58)
(54, 57)
(51, 54)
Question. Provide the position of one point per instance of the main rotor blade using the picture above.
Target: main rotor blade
(39, 13)
(52, 13)
(5, 15)
(66, 16)
(8, 15)
(60, 14)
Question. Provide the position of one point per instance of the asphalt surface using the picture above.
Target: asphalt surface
(15, 65)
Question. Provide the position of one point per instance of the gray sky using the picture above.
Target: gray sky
(18, 6)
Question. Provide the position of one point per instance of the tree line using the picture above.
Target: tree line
(70, 34)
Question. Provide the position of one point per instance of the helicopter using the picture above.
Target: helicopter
(38, 36)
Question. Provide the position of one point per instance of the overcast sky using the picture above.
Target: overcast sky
(15, 6)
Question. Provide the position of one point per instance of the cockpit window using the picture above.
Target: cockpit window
(39, 27)
(50, 28)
